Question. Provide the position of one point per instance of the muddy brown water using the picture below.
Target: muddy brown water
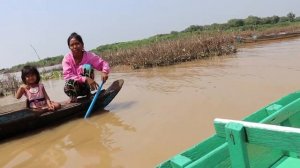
(161, 111)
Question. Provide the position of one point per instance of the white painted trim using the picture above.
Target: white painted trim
(260, 125)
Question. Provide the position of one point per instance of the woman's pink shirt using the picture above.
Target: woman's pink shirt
(72, 71)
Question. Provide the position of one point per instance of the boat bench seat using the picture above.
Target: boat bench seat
(242, 136)
(287, 162)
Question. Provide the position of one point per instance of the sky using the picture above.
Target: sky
(46, 24)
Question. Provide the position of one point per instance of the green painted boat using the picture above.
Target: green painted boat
(269, 137)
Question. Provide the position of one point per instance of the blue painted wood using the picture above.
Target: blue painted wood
(94, 101)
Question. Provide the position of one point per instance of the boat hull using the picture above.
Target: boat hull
(16, 118)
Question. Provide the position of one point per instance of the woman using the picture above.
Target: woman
(78, 67)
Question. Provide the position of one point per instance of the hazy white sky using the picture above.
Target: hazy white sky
(46, 24)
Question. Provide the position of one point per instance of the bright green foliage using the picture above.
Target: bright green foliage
(284, 19)
(235, 22)
(193, 28)
(253, 20)
(41, 63)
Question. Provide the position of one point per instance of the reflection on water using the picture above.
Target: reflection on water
(161, 111)
(82, 144)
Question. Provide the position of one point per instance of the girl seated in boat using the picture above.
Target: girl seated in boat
(78, 67)
(37, 97)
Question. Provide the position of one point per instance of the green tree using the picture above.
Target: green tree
(235, 22)
(252, 20)
(194, 28)
(291, 16)
(270, 20)
(266, 20)
(275, 19)
(283, 19)
(174, 32)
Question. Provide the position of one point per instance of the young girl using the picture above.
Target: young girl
(34, 91)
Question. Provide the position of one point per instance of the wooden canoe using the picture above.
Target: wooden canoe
(17, 118)
(270, 137)
(268, 37)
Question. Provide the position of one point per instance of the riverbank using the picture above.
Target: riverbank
(223, 46)
(194, 42)
(170, 52)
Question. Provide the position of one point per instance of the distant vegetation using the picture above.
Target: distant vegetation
(196, 41)
(251, 23)
(168, 52)
(50, 61)
(9, 84)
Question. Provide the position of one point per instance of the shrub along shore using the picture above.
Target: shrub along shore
(195, 42)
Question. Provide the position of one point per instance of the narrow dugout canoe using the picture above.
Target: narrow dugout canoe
(269, 137)
(17, 118)
(268, 37)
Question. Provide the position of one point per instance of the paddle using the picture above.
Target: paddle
(93, 101)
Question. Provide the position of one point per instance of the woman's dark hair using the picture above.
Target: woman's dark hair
(76, 36)
(30, 70)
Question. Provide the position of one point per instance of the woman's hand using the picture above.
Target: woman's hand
(104, 76)
(92, 83)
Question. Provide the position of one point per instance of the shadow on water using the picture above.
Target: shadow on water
(95, 141)
(49, 126)
(86, 143)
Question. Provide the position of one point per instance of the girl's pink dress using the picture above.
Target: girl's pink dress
(35, 96)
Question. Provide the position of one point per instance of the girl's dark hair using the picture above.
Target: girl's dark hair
(76, 36)
(30, 70)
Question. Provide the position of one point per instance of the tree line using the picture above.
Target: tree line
(233, 25)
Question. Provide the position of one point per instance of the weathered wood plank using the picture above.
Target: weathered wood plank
(180, 161)
(219, 157)
(277, 137)
(204, 148)
(288, 162)
(263, 113)
(195, 152)
(235, 136)
(283, 113)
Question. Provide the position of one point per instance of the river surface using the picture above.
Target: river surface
(161, 111)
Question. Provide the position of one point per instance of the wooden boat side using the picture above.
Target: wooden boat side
(27, 119)
(269, 37)
(22, 118)
(213, 152)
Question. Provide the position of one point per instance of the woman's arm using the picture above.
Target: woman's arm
(98, 63)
